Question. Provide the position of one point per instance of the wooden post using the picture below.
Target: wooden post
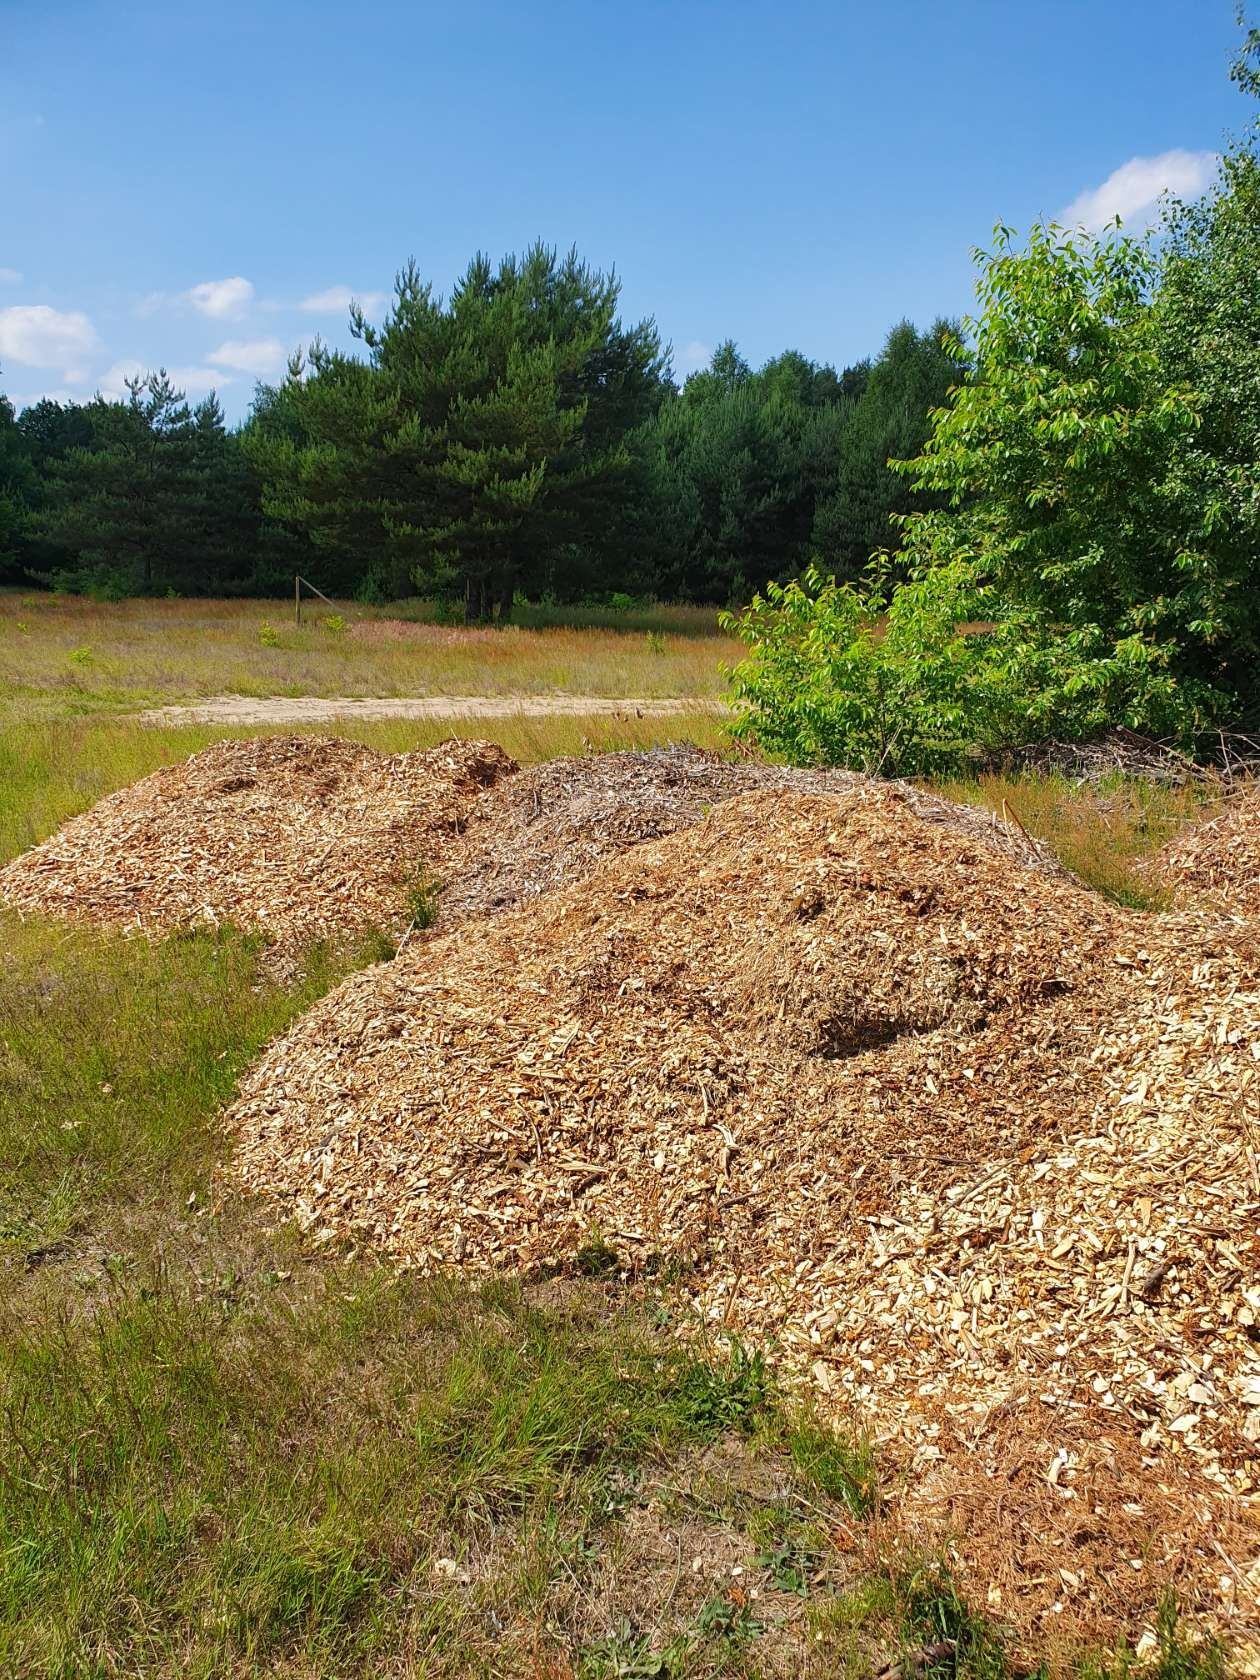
(297, 597)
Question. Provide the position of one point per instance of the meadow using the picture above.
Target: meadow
(229, 1452)
(67, 656)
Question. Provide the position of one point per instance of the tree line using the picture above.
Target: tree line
(513, 438)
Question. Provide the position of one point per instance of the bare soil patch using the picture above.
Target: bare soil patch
(237, 709)
(973, 1149)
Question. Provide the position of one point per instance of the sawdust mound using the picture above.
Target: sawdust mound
(298, 837)
(968, 1145)
(1219, 860)
(551, 825)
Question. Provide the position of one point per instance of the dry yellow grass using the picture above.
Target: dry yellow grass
(64, 656)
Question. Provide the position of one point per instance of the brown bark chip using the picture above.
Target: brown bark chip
(975, 1151)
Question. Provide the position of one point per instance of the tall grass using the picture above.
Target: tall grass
(1102, 833)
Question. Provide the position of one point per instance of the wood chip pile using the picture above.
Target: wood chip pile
(551, 824)
(970, 1146)
(1219, 860)
(296, 837)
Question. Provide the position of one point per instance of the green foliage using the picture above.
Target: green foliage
(483, 438)
(18, 489)
(840, 1467)
(1097, 516)
(750, 472)
(422, 897)
(268, 635)
(925, 677)
(715, 1396)
(867, 499)
(1056, 459)
(156, 497)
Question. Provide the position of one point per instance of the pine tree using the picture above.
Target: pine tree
(484, 436)
(18, 489)
(124, 507)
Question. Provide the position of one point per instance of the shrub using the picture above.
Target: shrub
(268, 635)
(930, 675)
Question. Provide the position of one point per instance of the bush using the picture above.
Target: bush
(931, 675)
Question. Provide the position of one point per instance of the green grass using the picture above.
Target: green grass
(65, 656)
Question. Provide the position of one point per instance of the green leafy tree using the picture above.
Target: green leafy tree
(1058, 459)
(891, 419)
(1207, 333)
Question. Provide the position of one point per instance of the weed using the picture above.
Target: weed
(334, 623)
(596, 1258)
(728, 1618)
(627, 1654)
(714, 1396)
(81, 655)
(792, 1561)
(655, 642)
(935, 1617)
(268, 635)
(839, 1466)
(421, 900)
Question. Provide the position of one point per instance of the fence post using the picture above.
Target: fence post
(297, 597)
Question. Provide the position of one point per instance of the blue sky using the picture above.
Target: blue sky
(204, 186)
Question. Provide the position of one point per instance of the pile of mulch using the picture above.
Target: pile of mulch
(550, 825)
(295, 837)
(971, 1148)
(1217, 861)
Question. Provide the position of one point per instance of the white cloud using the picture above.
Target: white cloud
(193, 381)
(9, 276)
(693, 356)
(196, 381)
(222, 300)
(334, 299)
(252, 355)
(1133, 191)
(110, 384)
(38, 336)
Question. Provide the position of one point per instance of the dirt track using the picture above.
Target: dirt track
(237, 708)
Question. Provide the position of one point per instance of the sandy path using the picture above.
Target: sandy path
(236, 708)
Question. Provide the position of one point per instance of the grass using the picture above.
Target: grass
(65, 656)
(1103, 834)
